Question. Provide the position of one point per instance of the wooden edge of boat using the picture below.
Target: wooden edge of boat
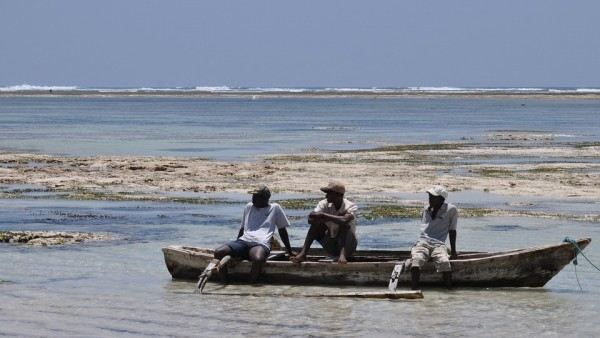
(582, 243)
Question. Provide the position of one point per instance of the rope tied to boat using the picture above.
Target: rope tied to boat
(578, 251)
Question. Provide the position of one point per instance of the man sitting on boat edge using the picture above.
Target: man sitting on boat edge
(332, 224)
(256, 231)
(439, 222)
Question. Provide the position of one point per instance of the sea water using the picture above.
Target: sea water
(122, 287)
(242, 128)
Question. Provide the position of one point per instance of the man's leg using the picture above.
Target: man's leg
(316, 230)
(257, 255)
(235, 248)
(442, 263)
(415, 274)
(222, 251)
(419, 255)
(348, 245)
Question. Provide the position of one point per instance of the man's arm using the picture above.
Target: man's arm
(286, 240)
(241, 232)
(342, 220)
(452, 234)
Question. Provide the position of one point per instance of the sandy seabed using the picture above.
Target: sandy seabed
(508, 168)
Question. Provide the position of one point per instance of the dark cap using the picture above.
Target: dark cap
(335, 186)
(260, 189)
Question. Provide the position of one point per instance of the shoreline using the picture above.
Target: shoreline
(325, 94)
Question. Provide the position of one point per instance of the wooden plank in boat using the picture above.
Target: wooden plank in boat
(413, 294)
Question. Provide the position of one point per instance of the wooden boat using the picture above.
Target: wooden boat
(530, 267)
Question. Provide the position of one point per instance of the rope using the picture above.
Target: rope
(577, 277)
(579, 251)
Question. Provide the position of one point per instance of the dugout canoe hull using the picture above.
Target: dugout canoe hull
(529, 267)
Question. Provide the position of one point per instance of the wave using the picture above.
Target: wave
(26, 87)
(475, 90)
(139, 90)
(435, 89)
(308, 90)
(213, 89)
(364, 90)
(272, 90)
(588, 90)
(335, 128)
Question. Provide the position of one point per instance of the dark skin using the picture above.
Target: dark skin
(435, 203)
(257, 254)
(318, 228)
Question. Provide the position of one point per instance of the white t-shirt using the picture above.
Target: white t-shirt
(435, 231)
(259, 224)
(329, 208)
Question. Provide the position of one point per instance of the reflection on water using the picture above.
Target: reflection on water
(123, 288)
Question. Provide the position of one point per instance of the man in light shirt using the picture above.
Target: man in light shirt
(332, 224)
(439, 222)
(258, 225)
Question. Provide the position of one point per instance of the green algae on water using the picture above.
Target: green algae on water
(489, 172)
(298, 203)
(403, 211)
(391, 211)
(409, 147)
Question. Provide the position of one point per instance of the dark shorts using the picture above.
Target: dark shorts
(333, 246)
(240, 248)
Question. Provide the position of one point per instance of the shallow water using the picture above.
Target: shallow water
(229, 128)
(122, 288)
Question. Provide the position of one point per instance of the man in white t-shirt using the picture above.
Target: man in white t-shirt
(332, 224)
(259, 221)
(438, 223)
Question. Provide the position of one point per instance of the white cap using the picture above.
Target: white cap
(438, 190)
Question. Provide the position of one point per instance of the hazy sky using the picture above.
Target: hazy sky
(134, 43)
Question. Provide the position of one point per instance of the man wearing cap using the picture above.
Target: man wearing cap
(259, 221)
(332, 224)
(439, 222)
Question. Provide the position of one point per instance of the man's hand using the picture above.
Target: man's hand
(315, 216)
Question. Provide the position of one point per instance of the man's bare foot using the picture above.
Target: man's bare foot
(342, 260)
(298, 258)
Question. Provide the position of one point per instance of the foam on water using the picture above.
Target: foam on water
(435, 89)
(291, 90)
(588, 90)
(272, 90)
(27, 87)
(212, 89)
